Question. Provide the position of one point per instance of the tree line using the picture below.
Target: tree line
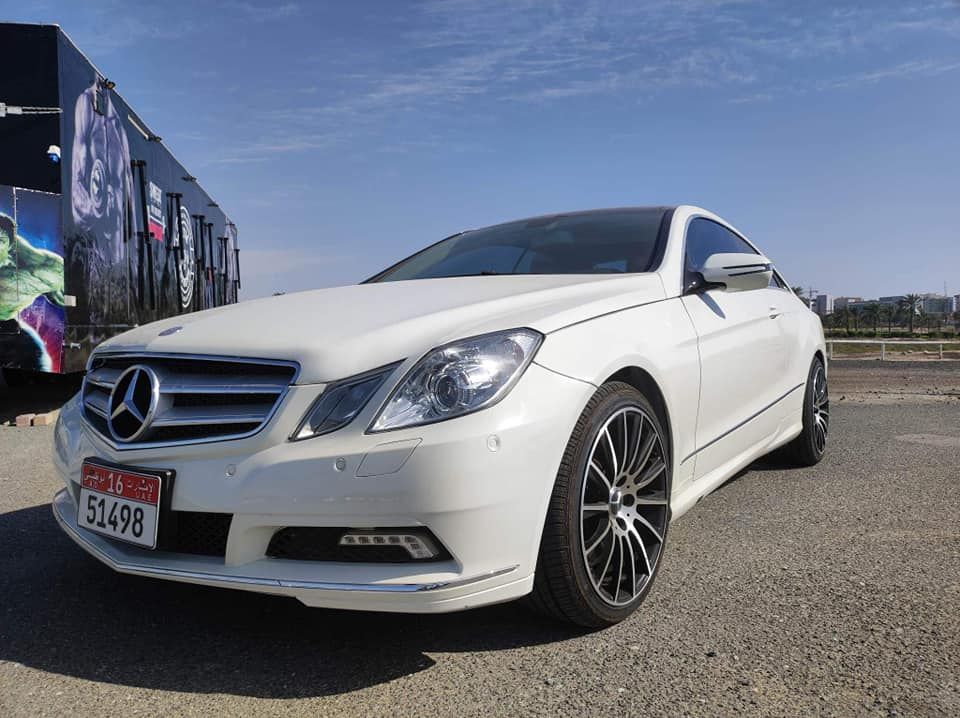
(874, 318)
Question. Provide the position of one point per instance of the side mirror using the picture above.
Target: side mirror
(738, 272)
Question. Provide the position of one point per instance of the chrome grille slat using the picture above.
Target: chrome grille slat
(97, 402)
(194, 416)
(180, 384)
(198, 399)
(104, 377)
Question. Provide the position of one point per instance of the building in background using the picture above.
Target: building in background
(843, 302)
(893, 301)
(936, 304)
(101, 228)
(822, 304)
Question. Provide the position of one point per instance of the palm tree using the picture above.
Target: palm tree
(886, 314)
(855, 313)
(898, 316)
(871, 313)
(909, 305)
(842, 315)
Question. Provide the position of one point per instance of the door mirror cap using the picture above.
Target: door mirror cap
(737, 272)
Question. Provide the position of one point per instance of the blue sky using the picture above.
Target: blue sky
(341, 136)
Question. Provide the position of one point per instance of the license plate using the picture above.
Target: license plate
(120, 503)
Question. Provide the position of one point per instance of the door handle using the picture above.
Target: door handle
(774, 312)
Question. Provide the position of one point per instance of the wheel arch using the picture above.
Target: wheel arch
(641, 380)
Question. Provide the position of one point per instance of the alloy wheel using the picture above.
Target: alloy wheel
(821, 409)
(624, 506)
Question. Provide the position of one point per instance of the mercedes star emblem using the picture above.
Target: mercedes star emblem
(133, 403)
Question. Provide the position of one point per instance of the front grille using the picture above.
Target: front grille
(198, 398)
(312, 543)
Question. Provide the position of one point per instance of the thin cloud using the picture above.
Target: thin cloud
(926, 68)
(448, 55)
(261, 12)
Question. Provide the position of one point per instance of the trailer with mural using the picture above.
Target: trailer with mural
(101, 228)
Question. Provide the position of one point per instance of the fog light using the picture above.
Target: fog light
(418, 545)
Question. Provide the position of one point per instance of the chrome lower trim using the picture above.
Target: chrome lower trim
(743, 423)
(227, 581)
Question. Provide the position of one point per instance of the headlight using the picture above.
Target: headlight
(459, 378)
(340, 403)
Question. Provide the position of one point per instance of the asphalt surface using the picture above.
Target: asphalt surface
(826, 591)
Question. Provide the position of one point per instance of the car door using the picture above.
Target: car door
(794, 321)
(742, 355)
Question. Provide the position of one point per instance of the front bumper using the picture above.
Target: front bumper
(485, 506)
(267, 577)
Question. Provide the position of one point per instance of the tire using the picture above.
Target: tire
(603, 516)
(809, 447)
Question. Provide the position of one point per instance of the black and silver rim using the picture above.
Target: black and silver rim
(821, 409)
(623, 506)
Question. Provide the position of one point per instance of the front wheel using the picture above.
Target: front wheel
(608, 515)
(808, 448)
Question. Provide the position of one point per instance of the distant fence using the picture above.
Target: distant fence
(896, 346)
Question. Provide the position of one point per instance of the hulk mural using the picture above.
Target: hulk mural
(31, 282)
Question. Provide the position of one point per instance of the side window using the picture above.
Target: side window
(706, 237)
(776, 281)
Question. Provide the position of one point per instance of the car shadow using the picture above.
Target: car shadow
(63, 612)
(711, 304)
(777, 461)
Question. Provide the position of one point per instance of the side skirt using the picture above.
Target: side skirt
(687, 498)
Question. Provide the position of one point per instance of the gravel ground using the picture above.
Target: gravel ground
(825, 591)
(866, 381)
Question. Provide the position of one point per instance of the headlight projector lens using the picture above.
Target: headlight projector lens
(459, 378)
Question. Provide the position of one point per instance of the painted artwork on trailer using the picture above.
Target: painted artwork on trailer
(31, 280)
(101, 228)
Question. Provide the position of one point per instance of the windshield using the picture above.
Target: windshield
(612, 241)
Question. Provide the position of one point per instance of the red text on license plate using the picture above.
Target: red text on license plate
(125, 484)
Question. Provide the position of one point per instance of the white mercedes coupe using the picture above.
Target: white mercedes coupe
(520, 410)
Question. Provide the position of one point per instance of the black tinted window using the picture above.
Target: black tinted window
(602, 242)
(705, 237)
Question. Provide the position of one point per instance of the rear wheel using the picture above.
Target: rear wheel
(609, 512)
(809, 447)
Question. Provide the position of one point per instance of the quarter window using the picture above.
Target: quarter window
(776, 281)
(706, 237)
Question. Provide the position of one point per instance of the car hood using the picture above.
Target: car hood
(338, 332)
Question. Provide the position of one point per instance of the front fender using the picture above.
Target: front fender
(658, 338)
